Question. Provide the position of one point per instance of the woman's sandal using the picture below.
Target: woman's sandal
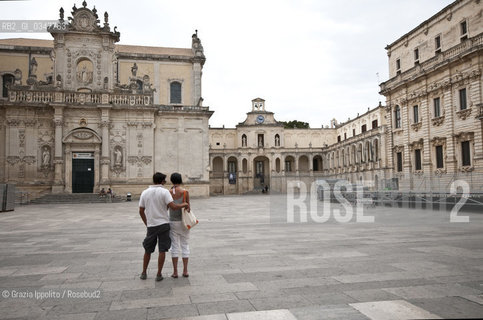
(185, 275)
(173, 276)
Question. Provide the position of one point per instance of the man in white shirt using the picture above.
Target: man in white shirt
(153, 209)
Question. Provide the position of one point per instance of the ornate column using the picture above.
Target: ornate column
(448, 107)
(68, 169)
(96, 167)
(59, 178)
(105, 156)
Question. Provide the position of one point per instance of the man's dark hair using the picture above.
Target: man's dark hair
(176, 178)
(159, 178)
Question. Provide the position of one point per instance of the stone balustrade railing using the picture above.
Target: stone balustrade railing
(431, 63)
(182, 108)
(78, 98)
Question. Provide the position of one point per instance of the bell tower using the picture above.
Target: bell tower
(258, 104)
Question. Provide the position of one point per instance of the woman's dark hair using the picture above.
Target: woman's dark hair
(176, 178)
(159, 178)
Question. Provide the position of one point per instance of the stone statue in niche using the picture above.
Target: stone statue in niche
(33, 68)
(58, 81)
(46, 157)
(118, 156)
(85, 72)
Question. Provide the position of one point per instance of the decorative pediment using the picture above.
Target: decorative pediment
(83, 20)
(416, 144)
(82, 135)
(464, 136)
(398, 148)
(438, 141)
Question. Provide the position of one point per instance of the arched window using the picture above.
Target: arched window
(303, 164)
(232, 165)
(397, 117)
(289, 164)
(175, 92)
(7, 79)
(317, 163)
(218, 166)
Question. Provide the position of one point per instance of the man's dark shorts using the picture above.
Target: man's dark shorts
(158, 234)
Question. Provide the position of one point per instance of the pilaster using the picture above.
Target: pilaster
(59, 159)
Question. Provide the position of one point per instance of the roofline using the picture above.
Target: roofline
(424, 23)
(340, 125)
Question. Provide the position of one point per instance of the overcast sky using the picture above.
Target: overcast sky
(310, 60)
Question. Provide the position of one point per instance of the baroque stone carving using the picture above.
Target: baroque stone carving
(83, 135)
(13, 122)
(438, 141)
(398, 149)
(440, 171)
(416, 126)
(464, 136)
(46, 156)
(437, 121)
(139, 160)
(12, 160)
(463, 114)
(416, 144)
(118, 156)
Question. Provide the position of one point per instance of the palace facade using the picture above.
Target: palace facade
(434, 100)
(427, 136)
(261, 153)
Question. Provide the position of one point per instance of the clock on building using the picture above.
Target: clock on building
(260, 119)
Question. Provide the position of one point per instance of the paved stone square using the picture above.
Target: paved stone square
(86, 258)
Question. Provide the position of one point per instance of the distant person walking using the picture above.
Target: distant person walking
(178, 232)
(153, 209)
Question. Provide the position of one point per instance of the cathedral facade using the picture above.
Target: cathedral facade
(81, 113)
